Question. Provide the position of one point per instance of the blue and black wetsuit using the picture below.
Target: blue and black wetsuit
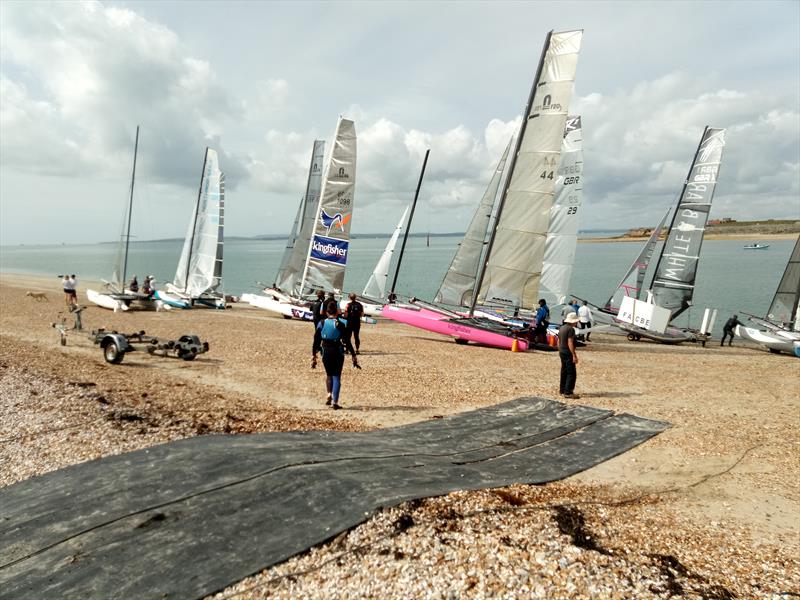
(332, 338)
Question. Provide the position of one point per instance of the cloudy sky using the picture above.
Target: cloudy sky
(260, 81)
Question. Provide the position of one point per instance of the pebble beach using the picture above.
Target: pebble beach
(708, 509)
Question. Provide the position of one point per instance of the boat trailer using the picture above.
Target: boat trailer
(115, 345)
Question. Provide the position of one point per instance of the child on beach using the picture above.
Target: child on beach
(332, 338)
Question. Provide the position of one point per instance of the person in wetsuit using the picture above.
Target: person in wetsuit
(730, 325)
(355, 310)
(540, 322)
(332, 339)
(318, 307)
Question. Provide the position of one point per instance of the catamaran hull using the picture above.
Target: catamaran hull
(775, 341)
(290, 311)
(445, 326)
(171, 300)
(105, 301)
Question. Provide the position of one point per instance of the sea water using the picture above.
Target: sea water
(730, 278)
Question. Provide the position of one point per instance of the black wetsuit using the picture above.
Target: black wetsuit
(355, 310)
(318, 310)
(730, 325)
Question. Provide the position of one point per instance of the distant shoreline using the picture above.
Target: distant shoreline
(745, 237)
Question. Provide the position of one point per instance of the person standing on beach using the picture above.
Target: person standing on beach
(134, 285)
(353, 314)
(569, 357)
(540, 322)
(585, 318)
(70, 285)
(332, 339)
(727, 330)
(318, 308)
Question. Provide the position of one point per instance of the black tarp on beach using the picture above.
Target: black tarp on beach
(188, 518)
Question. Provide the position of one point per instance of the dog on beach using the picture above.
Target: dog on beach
(38, 296)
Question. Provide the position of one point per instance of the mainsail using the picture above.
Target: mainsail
(459, 281)
(330, 242)
(633, 282)
(294, 257)
(675, 273)
(515, 252)
(199, 271)
(376, 286)
(562, 234)
(785, 307)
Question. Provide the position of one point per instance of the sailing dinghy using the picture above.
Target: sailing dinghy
(779, 331)
(510, 268)
(324, 252)
(198, 278)
(116, 297)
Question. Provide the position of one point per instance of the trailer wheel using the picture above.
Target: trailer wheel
(774, 351)
(631, 337)
(112, 353)
(461, 341)
(187, 354)
(287, 317)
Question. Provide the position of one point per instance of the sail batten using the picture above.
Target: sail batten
(512, 270)
(680, 254)
(330, 242)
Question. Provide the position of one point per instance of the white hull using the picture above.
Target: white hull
(286, 309)
(105, 301)
(777, 341)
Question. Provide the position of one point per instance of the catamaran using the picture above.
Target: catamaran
(198, 279)
(779, 331)
(323, 241)
(673, 282)
(116, 297)
(510, 267)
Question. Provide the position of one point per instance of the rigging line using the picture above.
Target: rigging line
(256, 476)
(476, 513)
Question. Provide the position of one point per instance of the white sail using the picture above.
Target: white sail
(459, 281)
(198, 262)
(633, 282)
(513, 267)
(562, 234)
(376, 286)
(330, 242)
(291, 271)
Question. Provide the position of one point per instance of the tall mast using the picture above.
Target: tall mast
(410, 217)
(130, 208)
(194, 226)
(517, 146)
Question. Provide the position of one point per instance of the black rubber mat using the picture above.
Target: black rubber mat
(188, 518)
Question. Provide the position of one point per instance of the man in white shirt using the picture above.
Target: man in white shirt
(585, 318)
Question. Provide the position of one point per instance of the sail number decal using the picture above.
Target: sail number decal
(546, 175)
(343, 199)
(572, 180)
(572, 210)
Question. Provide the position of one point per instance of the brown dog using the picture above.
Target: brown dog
(38, 296)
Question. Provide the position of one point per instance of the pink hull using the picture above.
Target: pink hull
(437, 323)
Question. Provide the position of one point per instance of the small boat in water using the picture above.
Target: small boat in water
(756, 246)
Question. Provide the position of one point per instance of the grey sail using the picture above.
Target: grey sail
(290, 274)
(633, 282)
(562, 234)
(675, 273)
(785, 307)
(330, 242)
(459, 281)
(515, 253)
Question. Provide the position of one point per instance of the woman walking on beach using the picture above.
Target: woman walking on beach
(332, 338)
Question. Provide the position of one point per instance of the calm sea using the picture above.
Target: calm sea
(730, 278)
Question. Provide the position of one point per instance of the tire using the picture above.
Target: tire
(287, 317)
(774, 351)
(187, 354)
(631, 337)
(112, 353)
(461, 341)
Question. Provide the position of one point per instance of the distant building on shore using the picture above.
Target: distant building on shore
(721, 221)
